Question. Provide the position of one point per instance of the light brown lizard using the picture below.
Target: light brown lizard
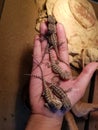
(54, 96)
(53, 103)
(62, 95)
(52, 37)
(64, 75)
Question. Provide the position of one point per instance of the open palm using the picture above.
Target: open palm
(77, 86)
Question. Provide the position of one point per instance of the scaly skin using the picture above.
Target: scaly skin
(52, 37)
(61, 94)
(64, 75)
(53, 103)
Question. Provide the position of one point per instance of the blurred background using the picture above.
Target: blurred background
(17, 30)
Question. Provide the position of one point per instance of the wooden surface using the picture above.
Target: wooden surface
(17, 30)
(1, 6)
(93, 121)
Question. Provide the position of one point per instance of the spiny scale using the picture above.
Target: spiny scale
(61, 94)
(64, 75)
(52, 37)
(53, 103)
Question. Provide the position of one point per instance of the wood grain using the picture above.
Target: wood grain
(1, 6)
(93, 120)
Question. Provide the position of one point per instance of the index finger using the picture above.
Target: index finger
(63, 47)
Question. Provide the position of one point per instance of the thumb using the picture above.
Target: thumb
(81, 82)
(84, 78)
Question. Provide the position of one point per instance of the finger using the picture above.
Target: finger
(84, 78)
(35, 83)
(45, 54)
(37, 54)
(44, 47)
(43, 28)
(35, 88)
(53, 55)
(81, 83)
(63, 48)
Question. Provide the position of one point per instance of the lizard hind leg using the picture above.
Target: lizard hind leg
(55, 79)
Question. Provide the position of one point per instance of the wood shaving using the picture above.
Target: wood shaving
(81, 27)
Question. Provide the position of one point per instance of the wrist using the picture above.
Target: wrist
(41, 122)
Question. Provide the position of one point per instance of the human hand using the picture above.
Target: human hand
(78, 85)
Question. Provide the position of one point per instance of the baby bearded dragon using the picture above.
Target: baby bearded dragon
(51, 25)
(61, 94)
(52, 36)
(58, 70)
(53, 103)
